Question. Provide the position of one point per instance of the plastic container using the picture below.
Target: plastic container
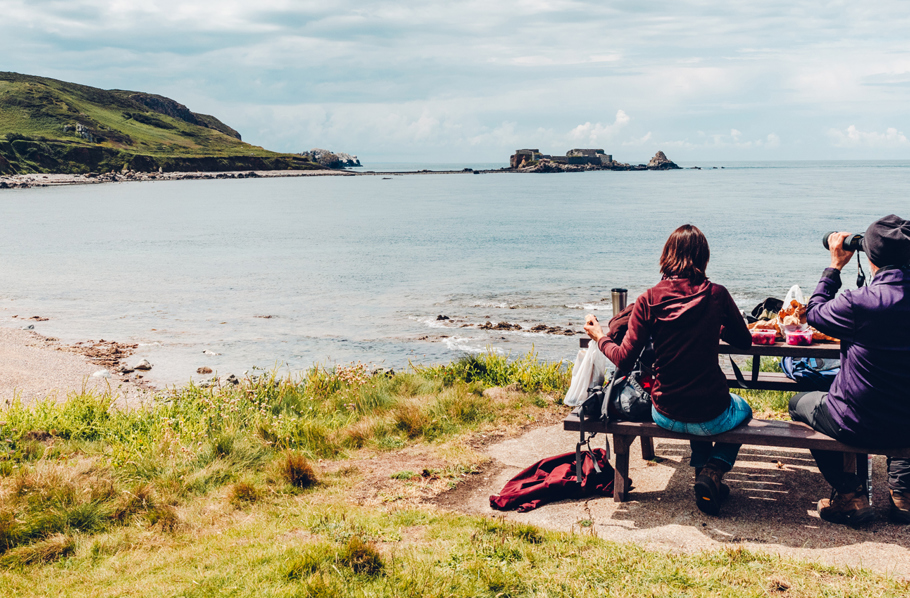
(764, 336)
(799, 337)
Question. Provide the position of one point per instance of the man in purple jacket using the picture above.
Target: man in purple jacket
(869, 401)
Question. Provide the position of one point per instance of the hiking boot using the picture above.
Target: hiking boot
(708, 492)
(900, 507)
(847, 509)
(724, 489)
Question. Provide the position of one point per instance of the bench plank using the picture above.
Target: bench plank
(760, 432)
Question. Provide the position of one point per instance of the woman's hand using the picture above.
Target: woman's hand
(592, 327)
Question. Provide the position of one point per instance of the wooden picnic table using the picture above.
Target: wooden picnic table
(759, 380)
(754, 432)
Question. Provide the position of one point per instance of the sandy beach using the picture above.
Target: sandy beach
(34, 367)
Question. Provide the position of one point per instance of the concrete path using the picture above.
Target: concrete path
(771, 506)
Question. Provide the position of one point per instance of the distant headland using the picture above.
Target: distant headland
(531, 160)
(54, 127)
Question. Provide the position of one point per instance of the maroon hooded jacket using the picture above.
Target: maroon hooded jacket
(686, 319)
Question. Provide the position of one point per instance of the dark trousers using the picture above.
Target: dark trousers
(811, 408)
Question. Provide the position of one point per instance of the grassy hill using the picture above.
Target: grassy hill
(48, 125)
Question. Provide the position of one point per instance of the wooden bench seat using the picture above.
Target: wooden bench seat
(758, 432)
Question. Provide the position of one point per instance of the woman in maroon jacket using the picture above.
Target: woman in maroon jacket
(685, 315)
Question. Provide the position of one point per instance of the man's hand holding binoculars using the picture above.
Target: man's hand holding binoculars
(840, 257)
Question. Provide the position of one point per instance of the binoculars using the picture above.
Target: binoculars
(852, 243)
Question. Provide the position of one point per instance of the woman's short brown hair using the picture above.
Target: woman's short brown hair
(685, 254)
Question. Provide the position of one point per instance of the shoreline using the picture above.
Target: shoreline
(28, 181)
(33, 180)
(34, 367)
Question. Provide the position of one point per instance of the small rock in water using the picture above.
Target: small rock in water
(142, 365)
(440, 317)
(102, 374)
(29, 327)
(232, 379)
(204, 370)
(207, 352)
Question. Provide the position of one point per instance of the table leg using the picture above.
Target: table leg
(621, 446)
(850, 462)
(647, 447)
(862, 470)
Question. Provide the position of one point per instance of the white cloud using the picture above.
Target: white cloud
(853, 137)
(734, 140)
(599, 132)
(639, 141)
(389, 78)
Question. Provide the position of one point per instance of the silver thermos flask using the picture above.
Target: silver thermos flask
(620, 297)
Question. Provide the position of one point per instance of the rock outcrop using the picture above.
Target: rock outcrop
(660, 161)
(332, 159)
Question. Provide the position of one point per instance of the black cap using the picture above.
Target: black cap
(887, 241)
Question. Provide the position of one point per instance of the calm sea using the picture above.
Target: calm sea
(360, 268)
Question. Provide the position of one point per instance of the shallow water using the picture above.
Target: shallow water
(359, 268)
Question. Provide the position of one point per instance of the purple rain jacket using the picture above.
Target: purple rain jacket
(870, 397)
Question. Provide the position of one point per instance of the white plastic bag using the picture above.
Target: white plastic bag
(794, 293)
(589, 369)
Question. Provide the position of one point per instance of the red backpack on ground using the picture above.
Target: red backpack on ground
(553, 479)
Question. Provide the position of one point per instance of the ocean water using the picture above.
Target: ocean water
(360, 268)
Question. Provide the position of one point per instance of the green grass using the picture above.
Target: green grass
(82, 466)
(310, 546)
(214, 492)
(767, 404)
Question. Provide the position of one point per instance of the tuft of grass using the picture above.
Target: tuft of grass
(297, 470)
(309, 560)
(52, 549)
(411, 419)
(164, 518)
(509, 529)
(361, 557)
(138, 500)
(244, 493)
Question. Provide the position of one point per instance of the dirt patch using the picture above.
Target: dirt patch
(456, 498)
(410, 476)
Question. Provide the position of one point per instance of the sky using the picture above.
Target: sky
(472, 81)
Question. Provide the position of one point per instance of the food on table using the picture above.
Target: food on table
(793, 314)
(821, 337)
(799, 337)
(765, 336)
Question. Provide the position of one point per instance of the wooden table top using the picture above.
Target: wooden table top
(830, 350)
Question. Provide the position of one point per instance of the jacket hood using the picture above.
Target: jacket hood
(678, 298)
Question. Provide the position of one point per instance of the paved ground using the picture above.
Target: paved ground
(771, 508)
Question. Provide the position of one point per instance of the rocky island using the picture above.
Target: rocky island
(575, 160)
